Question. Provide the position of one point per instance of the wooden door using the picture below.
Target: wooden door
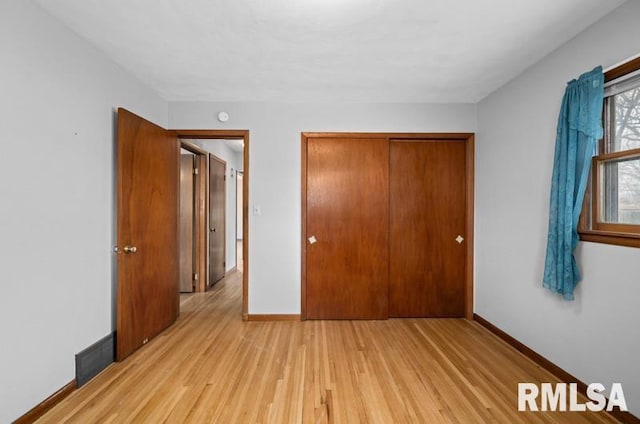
(148, 176)
(347, 210)
(187, 250)
(217, 218)
(427, 217)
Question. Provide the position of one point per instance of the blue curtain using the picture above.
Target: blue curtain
(579, 128)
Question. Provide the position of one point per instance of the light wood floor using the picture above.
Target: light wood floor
(212, 367)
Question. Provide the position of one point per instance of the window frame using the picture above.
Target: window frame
(590, 227)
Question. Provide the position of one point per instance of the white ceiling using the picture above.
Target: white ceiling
(327, 50)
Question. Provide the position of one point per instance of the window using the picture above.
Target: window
(611, 212)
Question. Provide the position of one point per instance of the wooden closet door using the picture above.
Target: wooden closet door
(347, 205)
(428, 210)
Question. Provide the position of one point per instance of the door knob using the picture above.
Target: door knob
(213, 230)
(130, 249)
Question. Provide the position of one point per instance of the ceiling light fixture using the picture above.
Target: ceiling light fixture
(223, 116)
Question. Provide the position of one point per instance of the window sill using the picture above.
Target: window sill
(608, 237)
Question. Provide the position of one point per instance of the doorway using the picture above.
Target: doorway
(227, 159)
(147, 248)
(210, 206)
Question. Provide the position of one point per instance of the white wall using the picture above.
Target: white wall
(596, 337)
(274, 173)
(234, 160)
(56, 223)
(56, 106)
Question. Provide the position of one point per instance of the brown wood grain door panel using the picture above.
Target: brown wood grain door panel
(428, 212)
(217, 218)
(147, 214)
(347, 212)
(186, 223)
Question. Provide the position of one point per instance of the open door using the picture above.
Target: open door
(217, 219)
(147, 231)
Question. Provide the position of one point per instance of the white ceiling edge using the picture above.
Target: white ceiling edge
(301, 51)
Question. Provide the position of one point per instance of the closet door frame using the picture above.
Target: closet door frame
(467, 138)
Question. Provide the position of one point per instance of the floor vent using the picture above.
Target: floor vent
(94, 359)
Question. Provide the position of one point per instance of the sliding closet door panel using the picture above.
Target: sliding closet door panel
(347, 263)
(427, 216)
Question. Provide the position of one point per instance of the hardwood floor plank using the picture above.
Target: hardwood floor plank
(211, 367)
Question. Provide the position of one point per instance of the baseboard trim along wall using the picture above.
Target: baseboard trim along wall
(89, 363)
(44, 406)
(273, 317)
(564, 376)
